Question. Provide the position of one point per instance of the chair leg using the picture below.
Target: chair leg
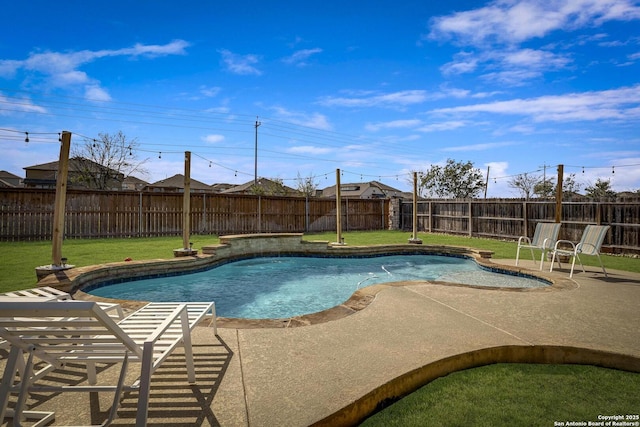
(7, 379)
(145, 384)
(602, 265)
(542, 259)
(517, 255)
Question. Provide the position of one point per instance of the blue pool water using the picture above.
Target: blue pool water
(281, 287)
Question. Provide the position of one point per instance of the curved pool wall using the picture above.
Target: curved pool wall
(237, 247)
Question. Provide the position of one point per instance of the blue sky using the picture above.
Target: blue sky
(376, 89)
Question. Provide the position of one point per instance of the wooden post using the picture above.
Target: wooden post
(338, 209)
(414, 235)
(559, 194)
(186, 202)
(60, 200)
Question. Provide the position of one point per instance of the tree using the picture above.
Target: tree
(570, 187)
(601, 189)
(454, 180)
(545, 188)
(307, 185)
(102, 163)
(525, 184)
(269, 187)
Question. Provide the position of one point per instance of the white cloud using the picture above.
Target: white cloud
(96, 93)
(479, 147)
(213, 138)
(62, 69)
(313, 120)
(395, 124)
(308, 149)
(619, 104)
(443, 126)
(300, 57)
(516, 21)
(210, 91)
(394, 99)
(24, 105)
(240, 64)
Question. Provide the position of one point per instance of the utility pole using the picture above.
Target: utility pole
(486, 184)
(255, 176)
(544, 178)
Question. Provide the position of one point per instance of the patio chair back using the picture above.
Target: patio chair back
(545, 235)
(592, 239)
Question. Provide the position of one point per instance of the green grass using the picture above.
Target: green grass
(19, 259)
(516, 395)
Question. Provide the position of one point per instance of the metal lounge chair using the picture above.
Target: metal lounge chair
(590, 244)
(544, 238)
(80, 332)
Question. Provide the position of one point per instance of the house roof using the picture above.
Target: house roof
(357, 189)
(134, 180)
(177, 181)
(9, 175)
(75, 164)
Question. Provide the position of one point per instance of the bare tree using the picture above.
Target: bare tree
(104, 162)
(307, 185)
(525, 184)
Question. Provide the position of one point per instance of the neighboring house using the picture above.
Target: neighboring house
(132, 183)
(219, 188)
(45, 175)
(265, 187)
(9, 180)
(364, 190)
(176, 184)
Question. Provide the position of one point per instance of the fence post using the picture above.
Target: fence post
(470, 207)
(61, 197)
(559, 194)
(525, 214)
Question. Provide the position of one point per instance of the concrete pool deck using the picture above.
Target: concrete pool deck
(301, 376)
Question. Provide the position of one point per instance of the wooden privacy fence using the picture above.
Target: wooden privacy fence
(27, 214)
(509, 219)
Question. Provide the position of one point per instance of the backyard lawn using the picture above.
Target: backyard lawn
(19, 259)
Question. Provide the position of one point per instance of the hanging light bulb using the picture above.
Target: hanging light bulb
(26, 138)
(613, 169)
(160, 154)
(209, 164)
(59, 137)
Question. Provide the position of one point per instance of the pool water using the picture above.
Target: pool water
(281, 287)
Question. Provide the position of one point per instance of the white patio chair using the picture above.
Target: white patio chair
(544, 238)
(590, 244)
(50, 293)
(82, 333)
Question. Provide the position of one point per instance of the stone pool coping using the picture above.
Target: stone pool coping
(268, 244)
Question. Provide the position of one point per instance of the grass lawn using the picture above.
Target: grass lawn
(516, 395)
(19, 259)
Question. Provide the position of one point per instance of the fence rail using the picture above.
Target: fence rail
(27, 214)
(509, 219)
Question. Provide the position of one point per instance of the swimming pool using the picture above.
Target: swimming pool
(288, 286)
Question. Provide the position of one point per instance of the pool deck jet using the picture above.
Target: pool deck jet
(333, 372)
